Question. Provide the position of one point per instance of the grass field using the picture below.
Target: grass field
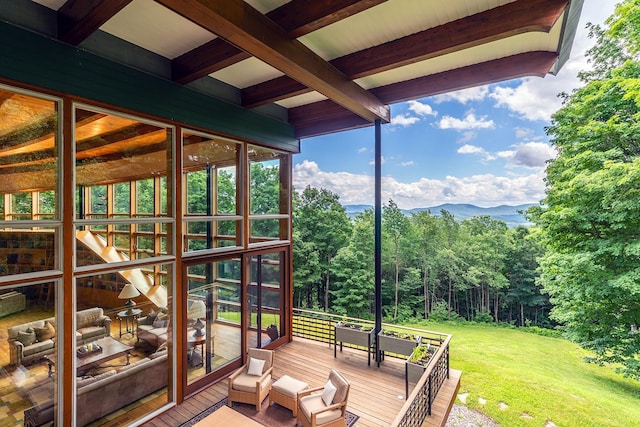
(539, 379)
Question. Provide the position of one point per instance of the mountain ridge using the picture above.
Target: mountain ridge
(509, 214)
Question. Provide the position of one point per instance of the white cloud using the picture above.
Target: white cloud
(409, 163)
(523, 132)
(471, 149)
(469, 122)
(532, 155)
(465, 95)
(362, 150)
(467, 136)
(404, 120)
(535, 98)
(421, 109)
(474, 149)
(482, 190)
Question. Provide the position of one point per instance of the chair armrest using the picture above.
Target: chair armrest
(309, 391)
(314, 414)
(234, 375)
(263, 376)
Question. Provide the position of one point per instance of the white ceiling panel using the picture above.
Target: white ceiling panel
(486, 52)
(51, 4)
(265, 6)
(154, 27)
(389, 21)
(305, 98)
(246, 73)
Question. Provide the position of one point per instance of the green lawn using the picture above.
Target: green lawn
(538, 378)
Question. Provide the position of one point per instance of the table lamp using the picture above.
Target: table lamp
(128, 292)
(197, 311)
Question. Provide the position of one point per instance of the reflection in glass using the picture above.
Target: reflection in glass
(213, 314)
(265, 294)
(28, 362)
(210, 170)
(121, 345)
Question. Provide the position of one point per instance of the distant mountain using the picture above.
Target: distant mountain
(509, 214)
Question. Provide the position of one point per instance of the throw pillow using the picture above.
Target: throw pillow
(27, 337)
(45, 333)
(158, 323)
(255, 366)
(328, 392)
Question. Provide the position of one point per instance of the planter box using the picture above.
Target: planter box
(414, 371)
(396, 345)
(345, 334)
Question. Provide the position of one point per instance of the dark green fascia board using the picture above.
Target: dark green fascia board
(43, 62)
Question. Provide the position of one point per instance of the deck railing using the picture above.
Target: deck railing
(319, 326)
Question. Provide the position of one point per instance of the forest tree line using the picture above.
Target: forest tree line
(432, 265)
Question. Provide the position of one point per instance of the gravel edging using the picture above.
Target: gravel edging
(461, 416)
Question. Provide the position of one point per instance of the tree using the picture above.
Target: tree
(590, 221)
(354, 270)
(395, 224)
(428, 239)
(320, 218)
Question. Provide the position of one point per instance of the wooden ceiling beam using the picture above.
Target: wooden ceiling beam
(484, 27)
(78, 19)
(243, 26)
(300, 17)
(327, 117)
(297, 17)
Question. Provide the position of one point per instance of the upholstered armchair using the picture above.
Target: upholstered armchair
(324, 406)
(252, 383)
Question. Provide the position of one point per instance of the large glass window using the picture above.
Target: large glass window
(29, 354)
(124, 330)
(214, 316)
(213, 218)
(29, 214)
(123, 206)
(124, 271)
(269, 184)
(266, 298)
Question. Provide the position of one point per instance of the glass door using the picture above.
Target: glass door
(265, 298)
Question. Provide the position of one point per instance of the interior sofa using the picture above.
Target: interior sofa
(152, 328)
(29, 342)
(107, 392)
(11, 302)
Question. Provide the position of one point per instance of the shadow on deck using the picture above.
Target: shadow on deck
(376, 396)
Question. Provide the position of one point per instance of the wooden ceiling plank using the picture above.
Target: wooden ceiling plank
(327, 117)
(297, 17)
(78, 19)
(484, 27)
(246, 28)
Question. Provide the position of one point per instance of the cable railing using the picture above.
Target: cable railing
(319, 326)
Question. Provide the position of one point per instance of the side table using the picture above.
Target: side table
(192, 344)
(129, 316)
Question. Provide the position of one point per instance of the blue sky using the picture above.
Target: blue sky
(485, 146)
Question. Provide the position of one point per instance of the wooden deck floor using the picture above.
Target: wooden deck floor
(377, 394)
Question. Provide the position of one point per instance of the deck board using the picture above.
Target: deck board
(376, 396)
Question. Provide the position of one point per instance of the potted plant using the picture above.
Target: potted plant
(355, 334)
(418, 361)
(397, 342)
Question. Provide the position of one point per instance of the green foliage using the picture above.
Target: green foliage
(590, 220)
(483, 317)
(319, 218)
(440, 313)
